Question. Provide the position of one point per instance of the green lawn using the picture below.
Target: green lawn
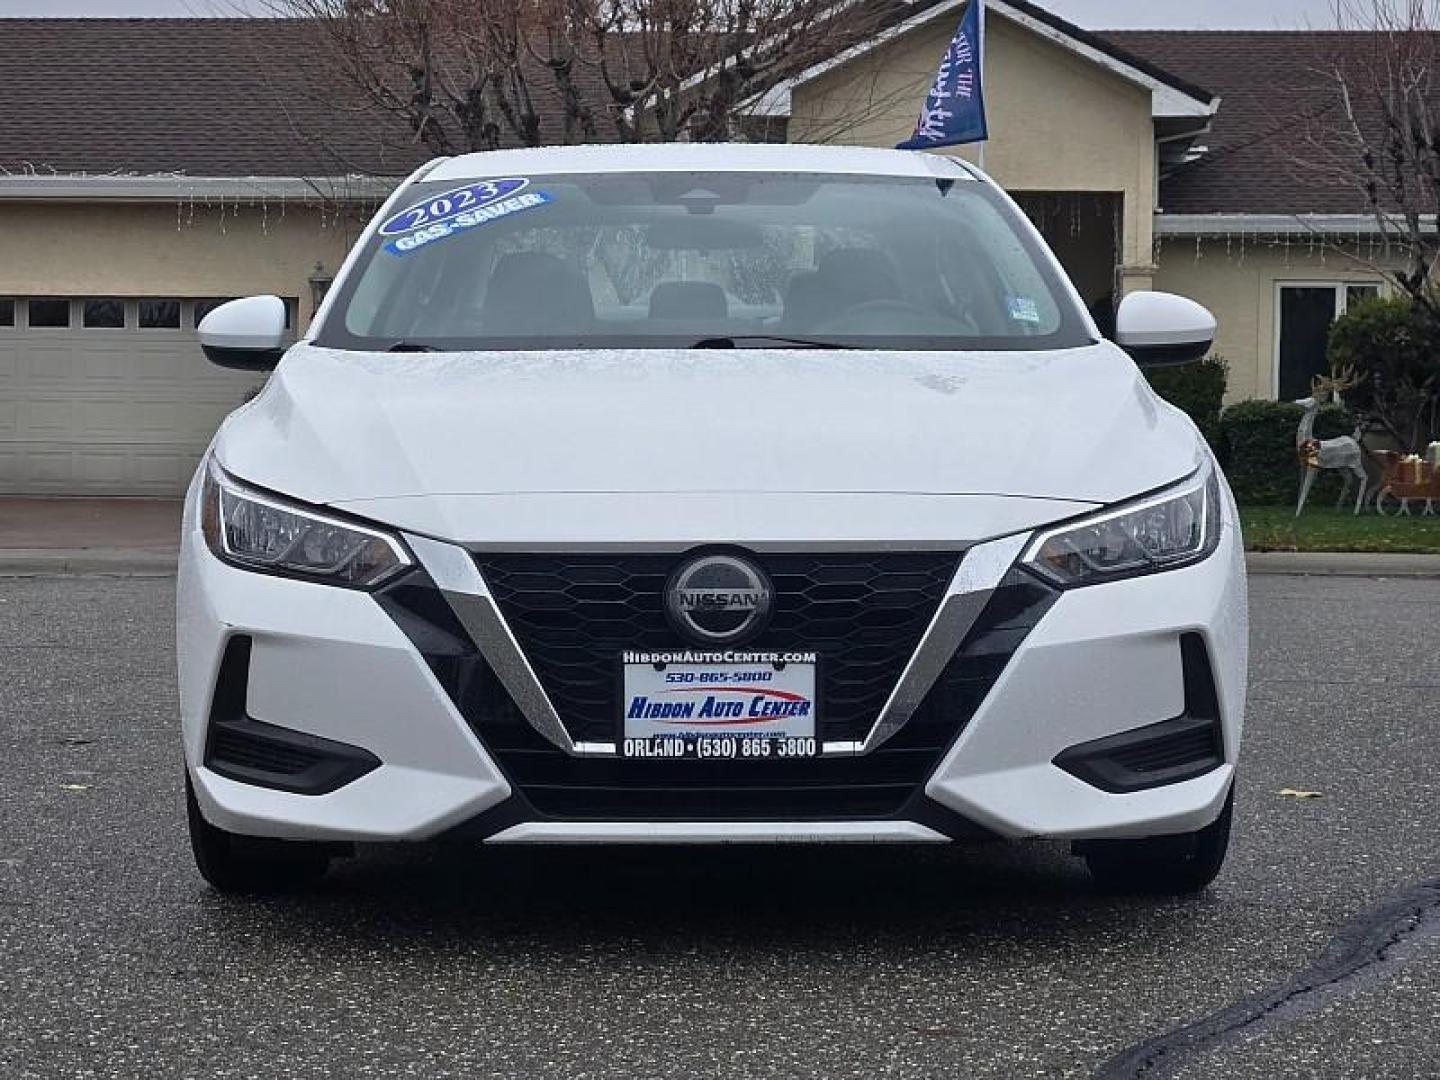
(1323, 528)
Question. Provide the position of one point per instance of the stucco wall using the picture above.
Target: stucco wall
(1238, 280)
(123, 250)
(1058, 122)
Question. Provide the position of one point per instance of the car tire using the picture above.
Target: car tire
(251, 865)
(1161, 865)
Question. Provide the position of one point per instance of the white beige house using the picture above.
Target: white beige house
(149, 168)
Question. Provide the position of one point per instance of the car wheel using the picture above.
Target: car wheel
(1161, 865)
(232, 863)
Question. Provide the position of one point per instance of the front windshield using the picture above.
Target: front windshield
(678, 259)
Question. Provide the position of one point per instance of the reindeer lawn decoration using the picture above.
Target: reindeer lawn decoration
(1343, 454)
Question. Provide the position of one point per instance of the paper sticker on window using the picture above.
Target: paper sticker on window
(452, 203)
(1024, 309)
(467, 220)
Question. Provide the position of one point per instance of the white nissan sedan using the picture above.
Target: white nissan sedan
(709, 494)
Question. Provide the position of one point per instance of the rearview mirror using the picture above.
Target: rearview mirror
(1163, 330)
(248, 334)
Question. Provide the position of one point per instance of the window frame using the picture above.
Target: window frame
(86, 301)
(69, 301)
(130, 312)
(179, 302)
(1340, 287)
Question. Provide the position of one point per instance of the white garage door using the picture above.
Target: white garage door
(102, 396)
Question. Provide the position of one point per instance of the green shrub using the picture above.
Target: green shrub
(1257, 450)
(1394, 347)
(1196, 389)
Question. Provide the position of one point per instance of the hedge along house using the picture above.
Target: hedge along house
(151, 167)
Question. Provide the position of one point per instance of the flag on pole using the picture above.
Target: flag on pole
(954, 110)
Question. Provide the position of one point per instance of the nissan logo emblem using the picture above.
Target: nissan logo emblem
(719, 599)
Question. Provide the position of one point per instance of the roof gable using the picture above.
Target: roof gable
(1171, 95)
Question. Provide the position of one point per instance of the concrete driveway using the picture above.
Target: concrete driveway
(1316, 954)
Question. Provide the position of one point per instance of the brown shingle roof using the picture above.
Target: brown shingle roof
(207, 97)
(217, 97)
(243, 97)
(229, 97)
(1276, 138)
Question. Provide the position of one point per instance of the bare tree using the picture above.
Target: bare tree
(459, 75)
(1380, 134)
(692, 69)
(478, 74)
(1376, 132)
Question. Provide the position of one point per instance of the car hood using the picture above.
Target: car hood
(1077, 427)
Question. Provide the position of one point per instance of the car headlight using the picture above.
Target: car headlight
(1176, 527)
(257, 531)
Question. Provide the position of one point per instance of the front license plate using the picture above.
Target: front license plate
(732, 705)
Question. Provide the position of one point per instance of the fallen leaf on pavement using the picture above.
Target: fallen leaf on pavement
(1294, 793)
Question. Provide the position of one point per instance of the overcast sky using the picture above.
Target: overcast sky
(1095, 14)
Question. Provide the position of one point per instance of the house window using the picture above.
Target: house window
(1358, 294)
(7, 312)
(1305, 314)
(49, 314)
(204, 307)
(159, 314)
(103, 315)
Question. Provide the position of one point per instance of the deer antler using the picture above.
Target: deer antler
(1336, 383)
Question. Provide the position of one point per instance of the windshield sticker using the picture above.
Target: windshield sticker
(452, 204)
(467, 220)
(1024, 309)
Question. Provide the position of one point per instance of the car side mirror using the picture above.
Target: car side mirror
(248, 334)
(1163, 330)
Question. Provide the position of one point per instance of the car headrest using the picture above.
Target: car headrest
(860, 273)
(534, 292)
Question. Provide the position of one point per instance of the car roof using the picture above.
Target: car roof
(700, 157)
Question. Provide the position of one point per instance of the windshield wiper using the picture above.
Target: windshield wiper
(743, 341)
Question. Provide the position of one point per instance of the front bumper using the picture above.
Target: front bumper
(343, 666)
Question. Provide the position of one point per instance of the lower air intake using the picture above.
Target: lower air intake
(266, 755)
(1183, 748)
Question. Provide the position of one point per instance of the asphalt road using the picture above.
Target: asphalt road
(1317, 953)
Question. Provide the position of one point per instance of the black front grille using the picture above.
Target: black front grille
(573, 616)
(885, 783)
